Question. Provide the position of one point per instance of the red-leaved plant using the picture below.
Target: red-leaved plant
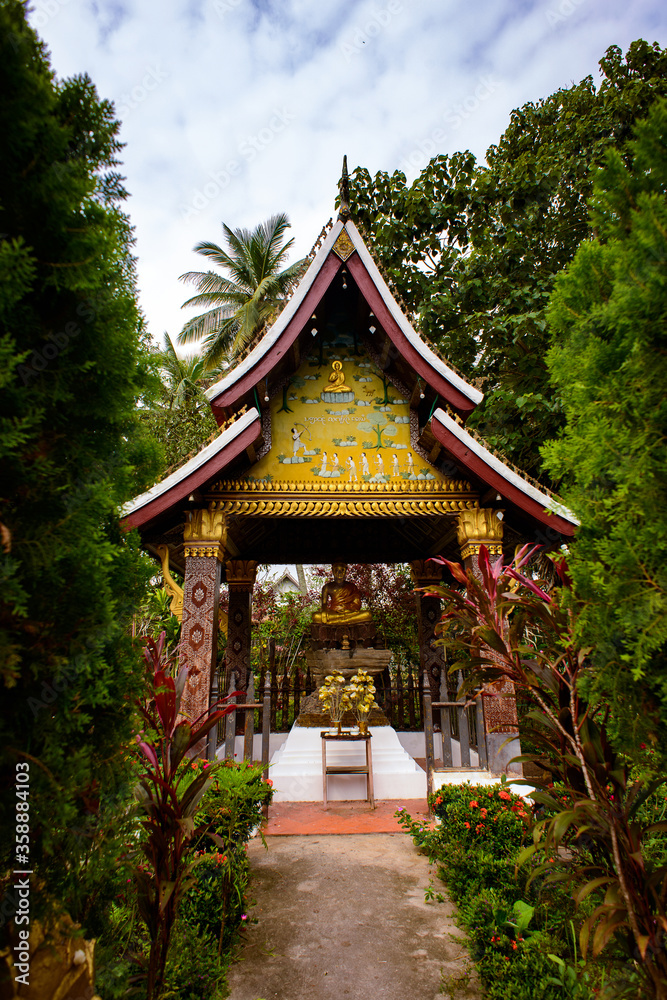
(507, 626)
(170, 800)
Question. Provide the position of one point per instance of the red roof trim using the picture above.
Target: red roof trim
(180, 491)
(456, 399)
(313, 296)
(473, 462)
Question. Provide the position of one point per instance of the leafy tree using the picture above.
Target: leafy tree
(180, 417)
(247, 299)
(473, 249)
(73, 364)
(378, 424)
(608, 318)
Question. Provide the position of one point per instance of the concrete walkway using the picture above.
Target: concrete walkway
(344, 916)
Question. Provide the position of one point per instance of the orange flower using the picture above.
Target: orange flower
(467, 825)
(482, 813)
(504, 795)
(438, 801)
(473, 804)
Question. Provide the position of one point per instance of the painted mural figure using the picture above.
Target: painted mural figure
(394, 465)
(334, 462)
(323, 467)
(341, 600)
(297, 443)
(380, 464)
(411, 464)
(365, 471)
(352, 466)
(337, 379)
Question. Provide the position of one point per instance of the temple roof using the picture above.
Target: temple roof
(342, 340)
(379, 318)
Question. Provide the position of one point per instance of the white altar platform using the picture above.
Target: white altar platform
(296, 769)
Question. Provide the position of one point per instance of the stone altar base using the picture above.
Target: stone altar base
(296, 769)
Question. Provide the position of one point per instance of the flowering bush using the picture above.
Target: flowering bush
(513, 926)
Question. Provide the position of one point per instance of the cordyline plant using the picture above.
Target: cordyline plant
(170, 800)
(506, 626)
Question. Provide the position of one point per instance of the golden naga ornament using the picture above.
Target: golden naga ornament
(176, 606)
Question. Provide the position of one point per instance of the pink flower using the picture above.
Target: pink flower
(244, 916)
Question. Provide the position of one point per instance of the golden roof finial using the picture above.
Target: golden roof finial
(344, 188)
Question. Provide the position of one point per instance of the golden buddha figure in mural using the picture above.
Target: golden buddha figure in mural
(341, 600)
(337, 379)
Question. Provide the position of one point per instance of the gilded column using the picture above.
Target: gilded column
(431, 657)
(240, 580)
(476, 528)
(204, 546)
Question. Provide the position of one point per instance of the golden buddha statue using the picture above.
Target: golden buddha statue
(337, 379)
(341, 600)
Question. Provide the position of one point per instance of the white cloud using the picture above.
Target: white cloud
(250, 104)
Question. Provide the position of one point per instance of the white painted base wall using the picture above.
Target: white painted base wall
(296, 769)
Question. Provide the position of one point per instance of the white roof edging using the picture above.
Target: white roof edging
(503, 470)
(273, 333)
(404, 323)
(193, 464)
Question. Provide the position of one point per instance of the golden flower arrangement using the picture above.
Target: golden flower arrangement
(361, 691)
(335, 698)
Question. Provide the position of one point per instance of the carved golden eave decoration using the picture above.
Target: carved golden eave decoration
(424, 498)
(343, 247)
(205, 532)
(480, 527)
(409, 487)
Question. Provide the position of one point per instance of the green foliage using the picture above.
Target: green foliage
(214, 899)
(180, 415)
(73, 363)
(168, 802)
(474, 249)
(609, 322)
(610, 851)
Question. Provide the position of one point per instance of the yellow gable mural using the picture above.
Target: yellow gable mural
(339, 419)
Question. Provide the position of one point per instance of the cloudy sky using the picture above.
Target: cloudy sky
(234, 110)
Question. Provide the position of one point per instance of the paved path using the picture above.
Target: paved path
(344, 918)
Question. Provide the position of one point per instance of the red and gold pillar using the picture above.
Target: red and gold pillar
(241, 575)
(204, 546)
(431, 657)
(480, 527)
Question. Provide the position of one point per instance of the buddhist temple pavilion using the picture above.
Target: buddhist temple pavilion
(342, 437)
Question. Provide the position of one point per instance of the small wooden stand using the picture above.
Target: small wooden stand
(366, 769)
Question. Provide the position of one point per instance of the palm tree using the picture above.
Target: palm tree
(247, 299)
(182, 380)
